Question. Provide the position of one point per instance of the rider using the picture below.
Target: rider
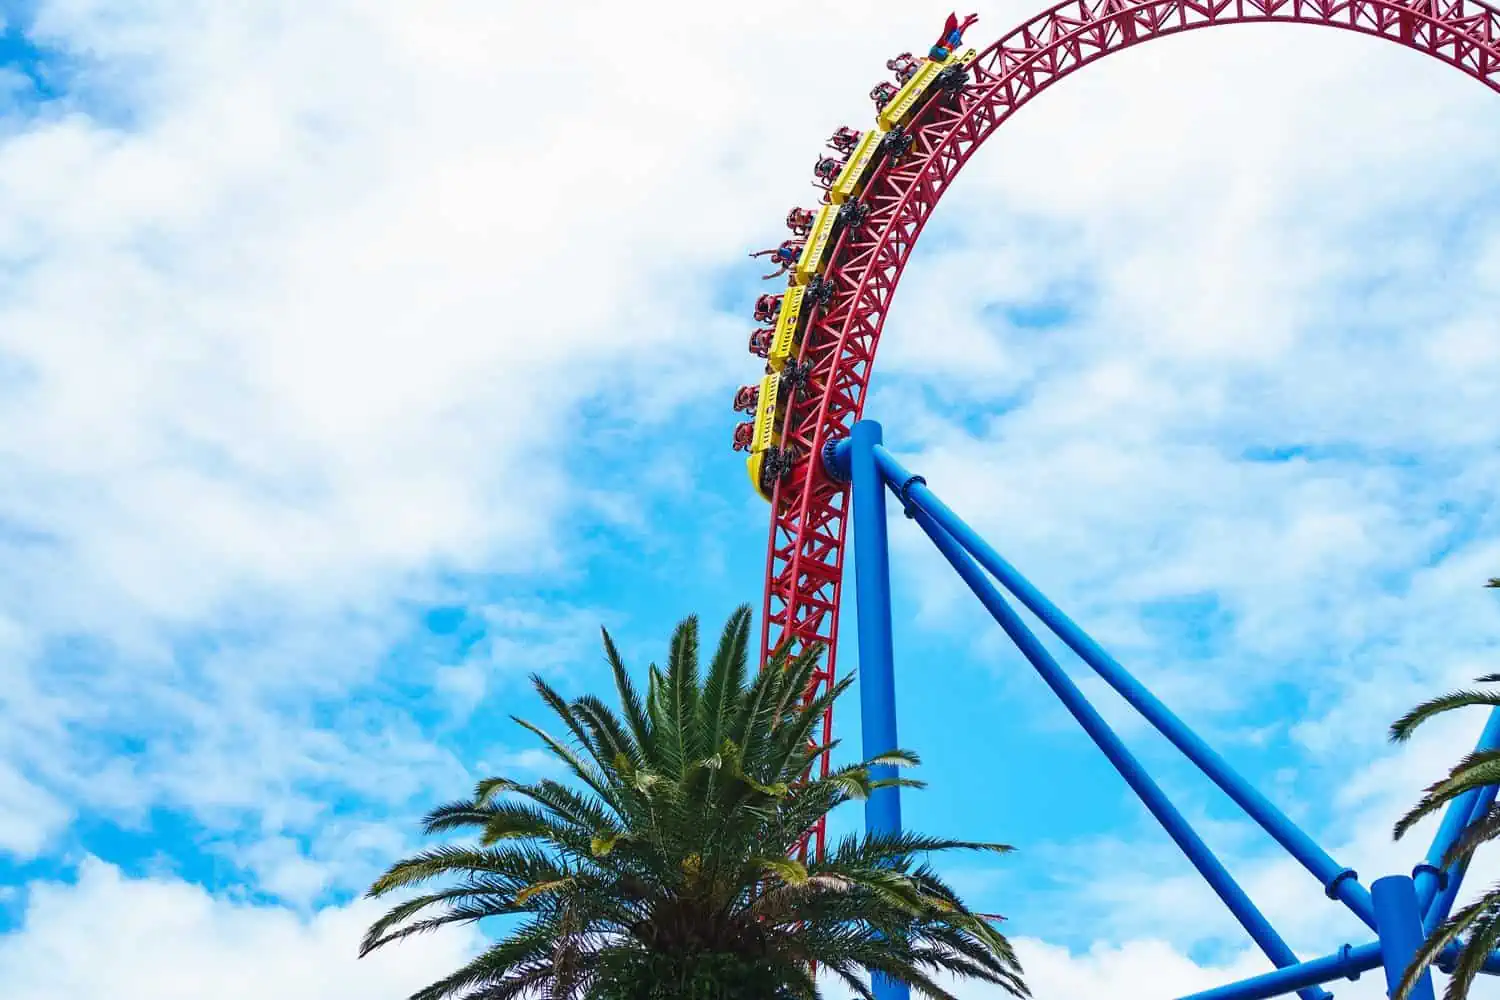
(952, 36)
(905, 66)
(760, 340)
(785, 256)
(882, 95)
(826, 170)
(745, 398)
(800, 220)
(767, 308)
(844, 140)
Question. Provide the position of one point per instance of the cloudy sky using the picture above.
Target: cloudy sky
(359, 358)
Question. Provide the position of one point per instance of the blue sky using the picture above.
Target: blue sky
(348, 385)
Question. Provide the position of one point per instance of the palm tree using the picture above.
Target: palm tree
(1480, 920)
(669, 869)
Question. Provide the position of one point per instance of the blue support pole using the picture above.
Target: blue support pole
(1338, 881)
(1130, 769)
(1437, 889)
(1399, 924)
(1346, 963)
(877, 675)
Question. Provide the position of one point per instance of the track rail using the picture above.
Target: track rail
(805, 556)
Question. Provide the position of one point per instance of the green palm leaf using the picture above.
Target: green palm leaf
(665, 866)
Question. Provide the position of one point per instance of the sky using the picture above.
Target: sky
(358, 359)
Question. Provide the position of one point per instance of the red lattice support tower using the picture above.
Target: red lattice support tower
(805, 559)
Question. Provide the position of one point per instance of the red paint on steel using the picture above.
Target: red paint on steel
(805, 557)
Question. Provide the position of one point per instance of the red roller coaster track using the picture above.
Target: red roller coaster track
(804, 564)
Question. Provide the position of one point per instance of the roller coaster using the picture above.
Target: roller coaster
(816, 462)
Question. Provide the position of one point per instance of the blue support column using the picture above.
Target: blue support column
(1338, 881)
(1130, 769)
(1399, 923)
(877, 674)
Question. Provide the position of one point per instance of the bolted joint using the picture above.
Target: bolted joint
(1345, 953)
(1433, 870)
(836, 461)
(953, 79)
(1332, 888)
(904, 493)
(819, 291)
(897, 143)
(852, 214)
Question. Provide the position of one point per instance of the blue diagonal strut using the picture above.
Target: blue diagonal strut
(1407, 907)
(1338, 881)
(1150, 793)
(1437, 887)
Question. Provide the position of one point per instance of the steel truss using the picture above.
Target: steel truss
(1400, 909)
(804, 559)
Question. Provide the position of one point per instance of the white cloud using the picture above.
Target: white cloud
(165, 939)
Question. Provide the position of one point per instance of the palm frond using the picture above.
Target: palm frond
(1403, 728)
(630, 698)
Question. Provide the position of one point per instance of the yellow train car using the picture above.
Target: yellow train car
(767, 436)
(851, 180)
(788, 336)
(819, 242)
(910, 97)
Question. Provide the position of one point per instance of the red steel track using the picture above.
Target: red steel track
(804, 564)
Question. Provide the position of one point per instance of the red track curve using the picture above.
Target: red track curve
(804, 562)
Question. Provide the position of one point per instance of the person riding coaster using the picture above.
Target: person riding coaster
(745, 398)
(882, 94)
(844, 140)
(761, 340)
(905, 67)
(826, 171)
(767, 308)
(744, 435)
(785, 256)
(952, 37)
(800, 221)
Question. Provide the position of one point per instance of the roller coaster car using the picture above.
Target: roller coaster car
(767, 308)
(788, 336)
(851, 180)
(844, 140)
(765, 463)
(903, 106)
(815, 251)
(800, 220)
(882, 94)
(745, 398)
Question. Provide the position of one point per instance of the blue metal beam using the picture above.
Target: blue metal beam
(1176, 825)
(1346, 963)
(1338, 881)
(877, 676)
(1401, 934)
